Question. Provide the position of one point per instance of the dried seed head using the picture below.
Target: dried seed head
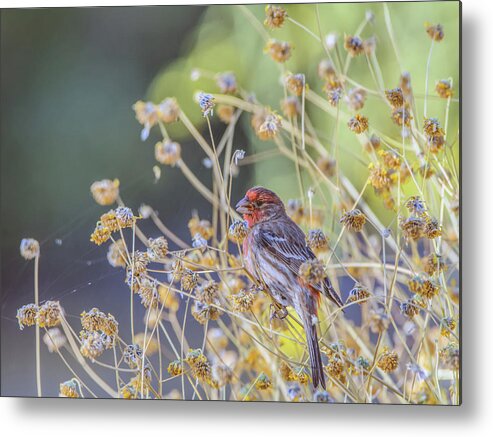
(226, 82)
(100, 235)
(317, 240)
(434, 31)
(105, 192)
(138, 263)
(395, 97)
(168, 110)
(148, 293)
(410, 308)
(158, 248)
(206, 102)
(358, 123)
(189, 280)
(416, 206)
(434, 264)
(167, 152)
(54, 339)
(402, 116)
(49, 314)
(450, 356)
(388, 361)
(29, 248)
(326, 69)
(208, 291)
(279, 51)
(334, 95)
(295, 83)
(27, 315)
(353, 45)
(274, 16)
(238, 231)
(92, 345)
(432, 228)
(359, 294)
(355, 99)
(270, 127)
(202, 227)
(412, 227)
(447, 326)
(125, 217)
(290, 106)
(203, 312)
(132, 355)
(444, 88)
(354, 220)
(263, 382)
(242, 302)
(68, 389)
(312, 271)
(390, 159)
(225, 113)
(175, 368)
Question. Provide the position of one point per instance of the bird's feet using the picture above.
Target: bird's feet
(278, 311)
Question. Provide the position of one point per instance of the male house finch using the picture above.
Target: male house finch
(274, 251)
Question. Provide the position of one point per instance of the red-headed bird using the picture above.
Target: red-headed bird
(274, 250)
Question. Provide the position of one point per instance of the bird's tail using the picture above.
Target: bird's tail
(318, 377)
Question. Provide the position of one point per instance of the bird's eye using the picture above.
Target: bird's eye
(259, 203)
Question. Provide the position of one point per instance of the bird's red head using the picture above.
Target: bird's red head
(260, 204)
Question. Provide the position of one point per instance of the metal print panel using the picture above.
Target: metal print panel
(232, 203)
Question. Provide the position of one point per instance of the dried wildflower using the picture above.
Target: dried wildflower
(434, 31)
(49, 314)
(274, 16)
(243, 301)
(450, 356)
(388, 361)
(189, 280)
(105, 192)
(295, 83)
(147, 115)
(201, 368)
(395, 97)
(100, 235)
(390, 159)
(412, 227)
(432, 128)
(202, 227)
(326, 69)
(226, 82)
(27, 315)
(353, 220)
(379, 321)
(238, 231)
(416, 206)
(270, 127)
(109, 220)
(355, 99)
(370, 45)
(373, 143)
(432, 228)
(206, 102)
(353, 45)
(175, 368)
(335, 368)
(359, 294)
(290, 106)
(167, 152)
(94, 320)
(138, 263)
(447, 326)
(444, 88)
(358, 124)
(168, 110)
(402, 116)
(436, 144)
(149, 296)
(379, 177)
(29, 248)
(68, 389)
(287, 372)
(92, 345)
(279, 51)
(434, 264)
(410, 308)
(317, 240)
(158, 248)
(125, 217)
(225, 113)
(263, 382)
(203, 312)
(132, 355)
(199, 242)
(424, 287)
(54, 339)
(334, 96)
(207, 293)
(312, 271)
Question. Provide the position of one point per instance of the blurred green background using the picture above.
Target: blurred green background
(68, 79)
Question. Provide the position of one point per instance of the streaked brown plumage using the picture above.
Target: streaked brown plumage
(274, 250)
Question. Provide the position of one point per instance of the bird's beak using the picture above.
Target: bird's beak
(244, 206)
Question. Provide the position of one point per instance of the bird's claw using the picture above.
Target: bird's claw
(278, 312)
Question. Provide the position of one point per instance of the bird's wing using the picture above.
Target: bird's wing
(287, 245)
